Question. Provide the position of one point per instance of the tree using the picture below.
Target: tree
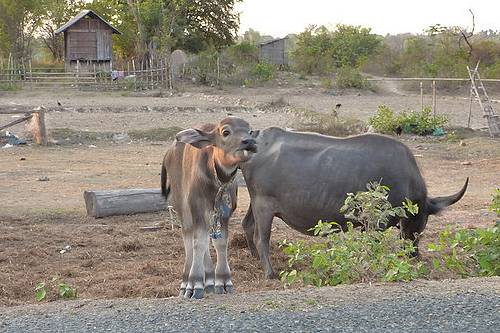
(57, 13)
(319, 50)
(19, 19)
(351, 45)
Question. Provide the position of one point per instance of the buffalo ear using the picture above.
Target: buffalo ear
(255, 133)
(195, 137)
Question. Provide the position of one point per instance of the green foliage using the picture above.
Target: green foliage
(40, 291)
(327, 124)
(372, 208)
(263, 71)
(243, 54)
(495, 202)
(420, 123)
(469, 252)
(349, 77)
(383, 121)
(64, 290)
(319, 50)
(348, 256)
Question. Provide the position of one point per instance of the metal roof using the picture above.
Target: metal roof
(81, 15)
(273, 41)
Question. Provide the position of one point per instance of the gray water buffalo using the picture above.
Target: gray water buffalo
(198, 172)
(303, 178)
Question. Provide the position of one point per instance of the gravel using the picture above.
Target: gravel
(471, 305)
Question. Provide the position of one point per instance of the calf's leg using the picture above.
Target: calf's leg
(196, 278)
(223, 281)
(187, 237)
(209, 273)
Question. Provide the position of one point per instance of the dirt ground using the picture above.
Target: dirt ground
(112, 257)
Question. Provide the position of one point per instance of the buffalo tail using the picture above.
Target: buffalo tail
(435, 205)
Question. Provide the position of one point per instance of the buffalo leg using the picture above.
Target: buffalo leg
(263, 220)
(412, 228)
(249, 229)
(223, 281)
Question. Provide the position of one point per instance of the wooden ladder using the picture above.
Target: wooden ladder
(478, 90)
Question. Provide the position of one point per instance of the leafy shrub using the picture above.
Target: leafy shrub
(383, 121)
(352, 256)
(495, 203)
(327, 124)
(64, 290)
(372, 208)
(349, 77)
(243, 54)
(469, 252)
(420, 123)
(263, 71)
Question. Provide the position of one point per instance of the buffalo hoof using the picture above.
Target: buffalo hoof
(188, 293)
(210, 289)
(229, 290)
(271, 275)
(219, 290)
(182, 292)
(198, 293)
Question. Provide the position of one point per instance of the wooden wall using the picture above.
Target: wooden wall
(88, 39)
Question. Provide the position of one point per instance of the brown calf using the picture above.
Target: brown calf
(198, 171)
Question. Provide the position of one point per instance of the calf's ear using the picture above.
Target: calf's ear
(195, 137)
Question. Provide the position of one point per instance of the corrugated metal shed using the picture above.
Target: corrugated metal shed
(275, 52)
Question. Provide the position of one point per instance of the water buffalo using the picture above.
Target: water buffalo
(198, 172)
(304, 177)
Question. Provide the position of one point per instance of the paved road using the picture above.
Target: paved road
(471, 305)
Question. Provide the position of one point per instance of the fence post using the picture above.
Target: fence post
(421, 96)
(434, 97)
(77, 72)
(40, 131)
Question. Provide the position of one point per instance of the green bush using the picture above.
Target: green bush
(383, 121)
(64, 290)
(412, 122)
(495, 203)
(243, 54)
(469, 252)
(349, 77)
(327, 124)
(372, 208)
(352, 256)
(263, 71)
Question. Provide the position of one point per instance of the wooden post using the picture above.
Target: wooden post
(31, 75)
(471, 97)
(39, 131)
(218, 69)
(152, 74)
(77, 71)
(421, 96)
(434, 97)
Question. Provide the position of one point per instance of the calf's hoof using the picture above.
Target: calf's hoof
(229, 290)
(198, 293)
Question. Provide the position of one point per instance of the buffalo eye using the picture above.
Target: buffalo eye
(226, 133)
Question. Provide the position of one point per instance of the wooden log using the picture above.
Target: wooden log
(123, 202)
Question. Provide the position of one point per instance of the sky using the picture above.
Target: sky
(281, 17)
